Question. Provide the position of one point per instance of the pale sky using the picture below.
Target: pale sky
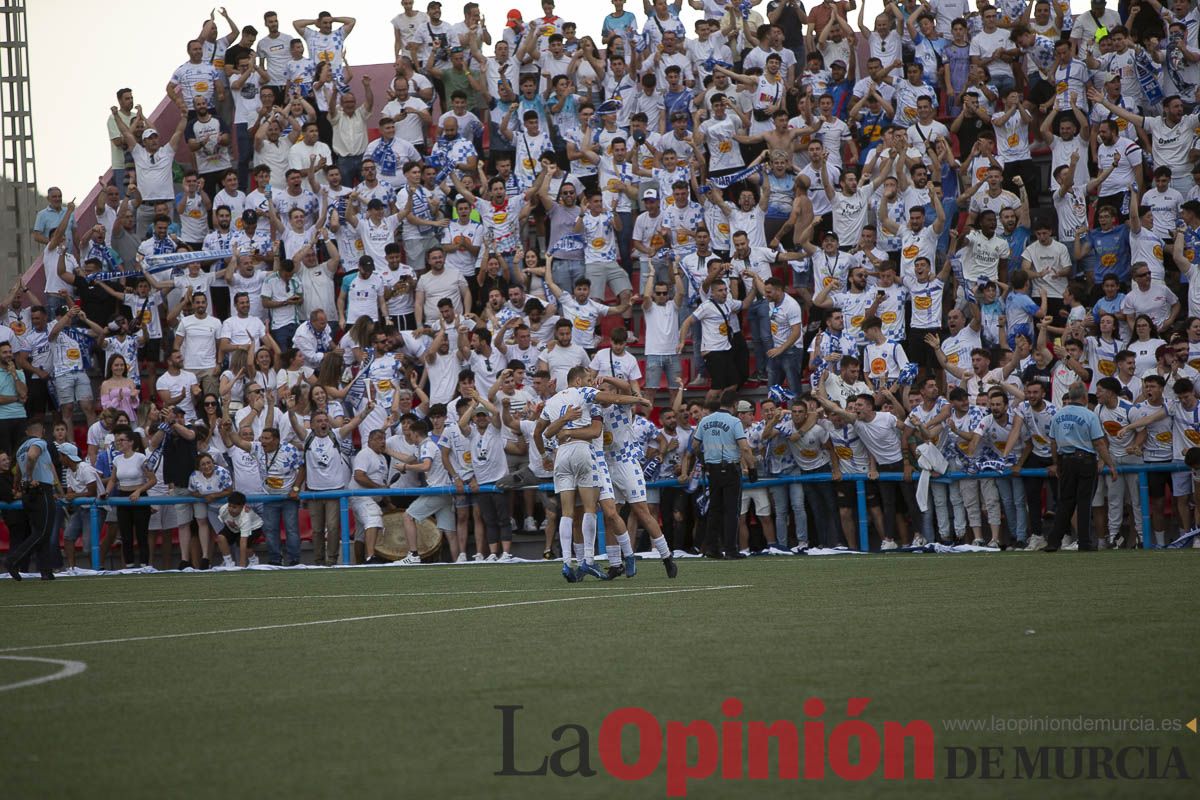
(81, 53)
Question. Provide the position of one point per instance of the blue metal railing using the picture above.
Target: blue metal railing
(860, 481)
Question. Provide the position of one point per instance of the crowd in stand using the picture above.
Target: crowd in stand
(917, 229)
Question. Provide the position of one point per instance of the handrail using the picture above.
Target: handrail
(859, 479)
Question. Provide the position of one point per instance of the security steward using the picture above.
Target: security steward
(1075, 439)
(38, 479)
(721, 439)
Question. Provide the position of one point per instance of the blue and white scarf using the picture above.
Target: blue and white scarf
(1147, 75)
(385, 158)
(725, 181)
(567, 243)
(159, 263)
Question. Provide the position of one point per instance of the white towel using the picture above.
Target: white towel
(929, 459)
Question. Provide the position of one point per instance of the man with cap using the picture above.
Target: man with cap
(82, 481)
(720, 440)
(1075, 439)
(251, 240)
(153, 162)
(38, 481)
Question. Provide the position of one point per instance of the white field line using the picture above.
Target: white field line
(339, 620)
(68, 668)
(270, 597)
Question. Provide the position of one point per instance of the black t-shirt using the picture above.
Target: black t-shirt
(1043, 376)
(789, 23)
(969, 131)
(236, 52)
(99, 305)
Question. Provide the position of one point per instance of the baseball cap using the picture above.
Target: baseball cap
(146, 134)
(835, 63)
(650, 194)
(744, 407)
(480, 409)
(250, 216)
(68, 450)
(514, 14)
(1162, 350)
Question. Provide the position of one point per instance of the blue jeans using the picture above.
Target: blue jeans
(759, 319)
(565, 272)
(350, 167)
(283, 336)
(625, 240)
(781, 497)
(657, 366)
(119, 180)
(245, 154)
(287, 511)
(825, 510)
(1003, 84)
(789, 365)
(1012, 500)
(950, 206)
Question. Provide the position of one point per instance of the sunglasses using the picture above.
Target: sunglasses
(255, 391)
(210, 403)
(658, 294)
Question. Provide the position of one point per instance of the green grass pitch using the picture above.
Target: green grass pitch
(393, 694)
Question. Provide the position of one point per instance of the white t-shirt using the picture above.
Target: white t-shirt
(200, 341)
(129, 470)
(362, 298)
(662, 328)
(881, 437)
(175, 384)
(715, 322)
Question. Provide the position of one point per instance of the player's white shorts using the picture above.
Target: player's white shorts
(574, 469)
(761, 498)
(629, 483)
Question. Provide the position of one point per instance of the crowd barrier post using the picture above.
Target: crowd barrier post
(94, 534)
(860, 491)
(1144, 508)
(344, 512)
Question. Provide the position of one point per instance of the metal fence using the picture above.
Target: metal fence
(860, 481)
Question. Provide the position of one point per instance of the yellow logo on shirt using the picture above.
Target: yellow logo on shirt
(1108, 259)
(724, 146)
(274, 483)
(857, 321)
(1013, 140)
(1163, 436)
(466, 458)
(582, 324)
(878, 366)
(73, 353)
(1109, 368)
(888, 317)
(723, 329)
(844, 452)
(499, 217)
(597, 243)
(911, 251)
(723, 227)
(201, 87)
(923, 302)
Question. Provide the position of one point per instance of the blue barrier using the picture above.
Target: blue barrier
(859, 479)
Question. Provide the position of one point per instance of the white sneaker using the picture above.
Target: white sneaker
(512, 524)
(530, 525)
(411, 558)
(799, 549)
(1072, 547)
(1067, 542)
(507, 558)
(994, 544)
(479, 556)
(977, 543)
(227, 561)
(1115, 542)
(889, 544)
(745, 552)
(492, 557)
(919, 541)
(252, 561)
(1036, 543)
(462, 558)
